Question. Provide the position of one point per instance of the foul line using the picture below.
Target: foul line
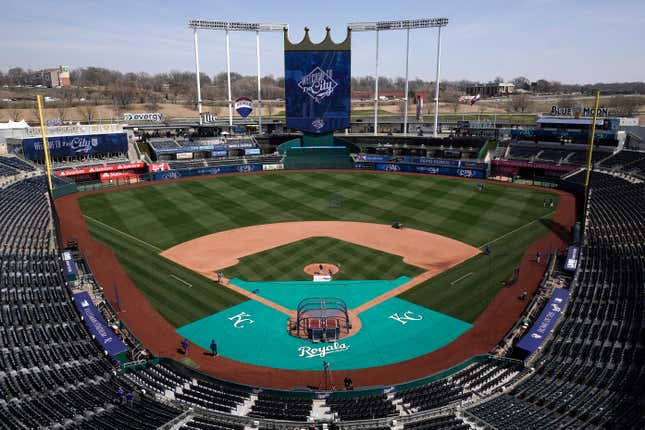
(122, 233)
(463, 277)
(182, 281)
(517, 229)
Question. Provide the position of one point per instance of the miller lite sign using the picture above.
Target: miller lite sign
(207, 117)
(243, 106)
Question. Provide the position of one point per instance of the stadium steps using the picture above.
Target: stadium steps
(319, 411)
(398, 404)
(244, 408)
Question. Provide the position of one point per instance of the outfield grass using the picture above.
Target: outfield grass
(166, 214)
(466, 290)
(286, 263)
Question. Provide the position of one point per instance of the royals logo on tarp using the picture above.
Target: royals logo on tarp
(244, 106)
(318, 84)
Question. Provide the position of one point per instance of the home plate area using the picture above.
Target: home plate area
(392, 331)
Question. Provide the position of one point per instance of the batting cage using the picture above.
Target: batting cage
(321, 319)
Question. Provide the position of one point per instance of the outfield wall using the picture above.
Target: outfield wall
(416, 168)
(463, 169)
(205, 171)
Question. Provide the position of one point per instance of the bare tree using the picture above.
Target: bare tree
(566, 102)
(61, 112)
(15, 114)
(401, 107)
(452, 98)
(88, 112)
(36, 112)
(520, 102)
(152, 101)
(123, 95)
(625, 105)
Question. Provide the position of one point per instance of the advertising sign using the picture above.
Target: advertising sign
(69, 266)
(203, 171)
(207, 117)
(438, 170)
(192, 148)
(220, 153)
(243, 106)
(145, 116)
(573, 254)
(184, 155)
(100, 169)
(252, 151)
(97, 325)
(240, 145)
(317, 87)
(76, 145)
(419, 107)
(545, 322)
(157, 167)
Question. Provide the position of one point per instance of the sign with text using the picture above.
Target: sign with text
(75, 145)
(317, 90)
(243, 106)
(100, 169)
(97, 325)
(573, 254)
(545, 322)
(145, 116)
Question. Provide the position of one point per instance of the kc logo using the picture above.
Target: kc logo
(240, 320)
(406, 317)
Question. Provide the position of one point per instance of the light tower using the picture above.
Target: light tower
(227, 27)
(407, 24)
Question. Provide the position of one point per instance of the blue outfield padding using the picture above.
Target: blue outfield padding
(393, 331)
(290, 293)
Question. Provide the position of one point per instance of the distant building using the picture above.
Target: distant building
(491, 89)
(51, 78)
(387, 95)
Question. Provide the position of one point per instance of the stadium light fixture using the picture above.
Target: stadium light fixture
(406, 24)
(227, 26)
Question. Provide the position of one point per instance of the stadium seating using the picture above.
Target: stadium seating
(281, 408)
(16, 163)
(442, 422)
(51, 371)
(592, 373)
(360, 408)
(631, 162)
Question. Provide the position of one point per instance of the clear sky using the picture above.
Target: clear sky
(567, 40)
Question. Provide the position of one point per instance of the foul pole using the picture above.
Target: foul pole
(43, 132)
(591, 140)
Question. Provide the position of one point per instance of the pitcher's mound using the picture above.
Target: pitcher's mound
(315, 269)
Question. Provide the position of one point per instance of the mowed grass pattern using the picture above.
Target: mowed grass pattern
(286, 263)
(163, 215)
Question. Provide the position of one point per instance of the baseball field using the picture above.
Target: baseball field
(140, 223)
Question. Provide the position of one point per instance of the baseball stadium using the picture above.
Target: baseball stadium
(229, 274)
